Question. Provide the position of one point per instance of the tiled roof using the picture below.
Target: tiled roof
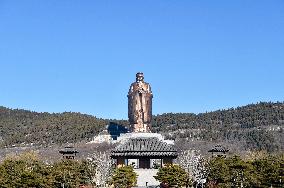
(68, 150)
(144, 147)
(219, 148)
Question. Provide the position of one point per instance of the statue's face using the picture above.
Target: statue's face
(139, 77)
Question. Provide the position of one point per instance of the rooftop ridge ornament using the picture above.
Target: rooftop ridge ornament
(140, 105)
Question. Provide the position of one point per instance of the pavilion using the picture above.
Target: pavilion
(69, 152)
(219, 151)
(144, 152)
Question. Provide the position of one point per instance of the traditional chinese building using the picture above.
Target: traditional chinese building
(144, 152)
(69, 152)
(219, 151)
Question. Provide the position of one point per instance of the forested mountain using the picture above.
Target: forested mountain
(26, 127)
(255, 126)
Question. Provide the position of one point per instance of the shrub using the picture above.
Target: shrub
(124, 177)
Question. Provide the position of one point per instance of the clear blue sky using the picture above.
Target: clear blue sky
(198, 56)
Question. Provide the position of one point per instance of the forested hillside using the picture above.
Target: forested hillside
(26, 127)
(256, 126)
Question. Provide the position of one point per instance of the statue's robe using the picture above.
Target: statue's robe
(140, 106)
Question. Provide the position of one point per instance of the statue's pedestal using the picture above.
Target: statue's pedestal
(140, 128)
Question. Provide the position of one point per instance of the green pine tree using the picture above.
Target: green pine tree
(124, 177)
(173, 175)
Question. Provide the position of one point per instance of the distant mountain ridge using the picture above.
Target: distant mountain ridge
(258, 126)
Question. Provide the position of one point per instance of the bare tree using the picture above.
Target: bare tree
(194, 164)
(104, 166)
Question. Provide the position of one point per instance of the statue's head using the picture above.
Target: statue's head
(139, 77)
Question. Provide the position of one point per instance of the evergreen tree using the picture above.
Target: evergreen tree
(173, 175)
(124, 177)
(24, 171)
